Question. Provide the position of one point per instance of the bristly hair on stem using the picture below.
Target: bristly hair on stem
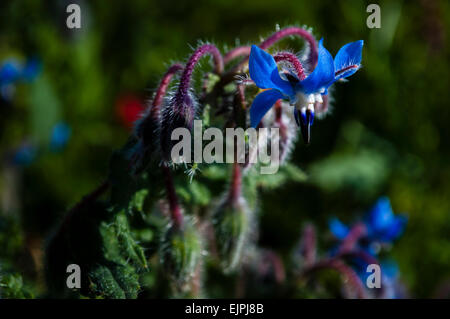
(301, 32)
(350, 278)
(181, 109)
(236, 183)
(271, 40)
(147, 127)
(162, 88)
(186, 77)
(176, 214)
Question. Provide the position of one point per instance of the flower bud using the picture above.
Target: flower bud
(180, 253)
(145, 130)
(148, 126)
(179, 113)
(231, 222)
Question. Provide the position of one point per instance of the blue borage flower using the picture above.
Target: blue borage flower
(12, 71)
(381, 223)
(300, 93)
(60, 136)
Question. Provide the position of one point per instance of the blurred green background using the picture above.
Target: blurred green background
(387, 134)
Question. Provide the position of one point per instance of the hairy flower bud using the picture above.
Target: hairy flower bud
(147, 127)
(179, 113)
(180, 252)
(231, 222)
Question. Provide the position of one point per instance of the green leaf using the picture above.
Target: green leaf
(44, 110)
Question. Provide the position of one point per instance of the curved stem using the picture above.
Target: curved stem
(356, 233)
(236, 52)
(361, 254)
(162, 88)
(275, 37)
(366, 258)
(283, 33)
(186, 77)
(351, 277)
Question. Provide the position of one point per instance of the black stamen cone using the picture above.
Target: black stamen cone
(305, 127)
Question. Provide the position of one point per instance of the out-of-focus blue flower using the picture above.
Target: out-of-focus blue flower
(25, 154)
(392, 287)
(382, 224)
(338, 228)
(60, 136)
(10, 71)
(303, 94)
(13, 71)
(31, 69)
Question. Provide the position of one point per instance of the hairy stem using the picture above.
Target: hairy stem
(277, 36)
(356, 233)
(236, 52)
(162, 88)
(236, 183)
(175, 210)
(309, 244)
(186, 77)
(286, 32)
(351, 279)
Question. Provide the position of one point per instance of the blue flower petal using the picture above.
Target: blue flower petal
(31, 70)
(25, 155)
(264, 72)
(9, 71)
(262, 104)
(396, 229)
(339, 229)
(381, 216)
(60, 136)
(348, 59)
(322, 76)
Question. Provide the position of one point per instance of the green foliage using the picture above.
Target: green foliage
(181, 250)
(11, 286)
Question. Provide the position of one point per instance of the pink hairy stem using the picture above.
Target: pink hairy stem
(162, 89)
(175, 210)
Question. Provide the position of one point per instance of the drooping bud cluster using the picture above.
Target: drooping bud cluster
(147, 127)
(178, 113)
(181, 108)
(180, 249)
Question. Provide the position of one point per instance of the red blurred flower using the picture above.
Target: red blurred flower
(128, 109)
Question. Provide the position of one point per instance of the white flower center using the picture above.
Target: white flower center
(305, 102)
